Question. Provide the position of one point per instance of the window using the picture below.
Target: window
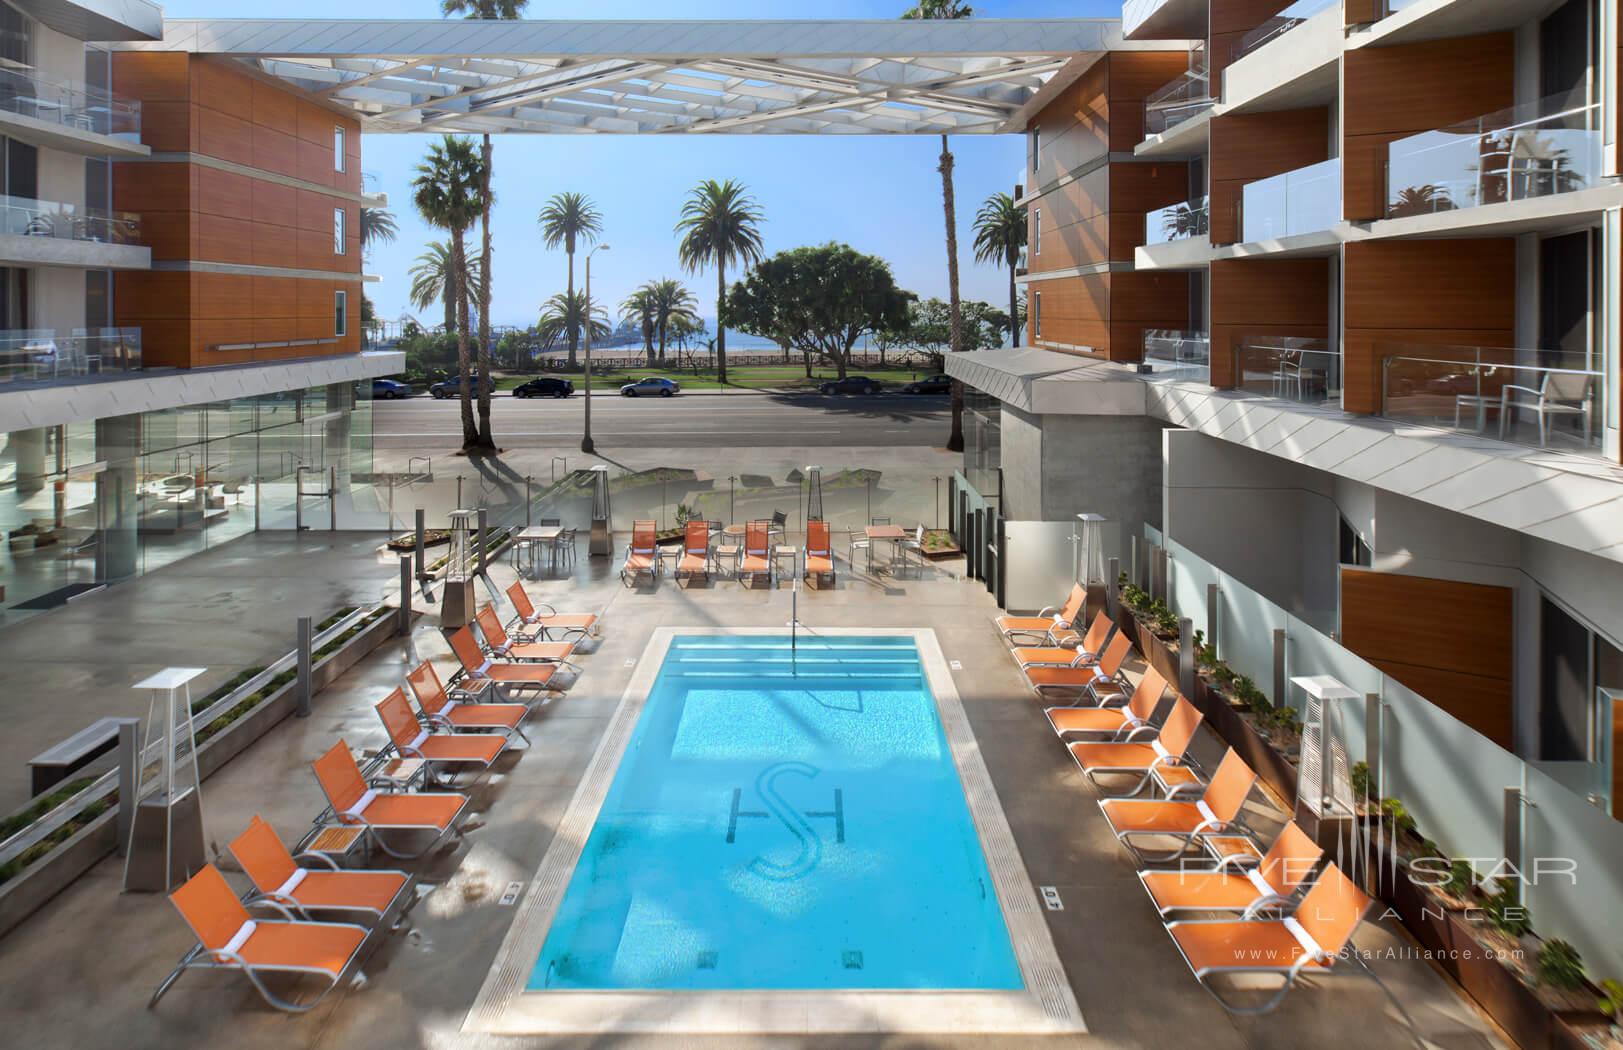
(1036, 148)
(1037, 315)
(1037, 232)
(1574, 663)
(338, 149)
(15, 34)
(341, 314)
(1353, 549)
(338, 231)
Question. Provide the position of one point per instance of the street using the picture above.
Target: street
(740, 421)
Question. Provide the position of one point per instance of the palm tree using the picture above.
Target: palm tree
(940, 9)
(568, 219)
(430, 282)
(720, 226)
(446, 192)
(1000, 234)
(377, 227)
(1421, 200)
(639, 306)
(674, 306)
(568, 312)
(493, 10)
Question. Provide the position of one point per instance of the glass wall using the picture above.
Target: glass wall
(983, 440)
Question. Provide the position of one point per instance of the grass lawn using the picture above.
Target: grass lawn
(751, 377)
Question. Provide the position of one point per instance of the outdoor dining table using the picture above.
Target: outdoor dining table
(534, 536)
(893, 534)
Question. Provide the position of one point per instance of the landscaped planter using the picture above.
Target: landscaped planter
(27, 893)
(1272, 766)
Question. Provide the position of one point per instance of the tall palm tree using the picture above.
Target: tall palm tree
(720, 226)
(568, 219)
(377, 227)
(446, 193)
(569, 312)
(493, 10)
(1000, 234)
(949, 9)
(674, 305)
(431, 280)
(639, 307)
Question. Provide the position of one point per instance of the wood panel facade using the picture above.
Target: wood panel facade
(1265, 297)
(1231, 21)
(245, 173)
(1246, 147)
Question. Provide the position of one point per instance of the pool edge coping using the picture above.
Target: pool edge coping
(1046, 1005)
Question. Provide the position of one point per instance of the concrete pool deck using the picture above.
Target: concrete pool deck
(79, 974)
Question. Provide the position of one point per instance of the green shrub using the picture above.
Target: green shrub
(1505, 912)
(41, 806)
(1611, 1000)
(1360, 779)
(1461, 877)
(1560, 966)
(1394, 811)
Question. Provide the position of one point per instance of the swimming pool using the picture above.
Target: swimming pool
(782, 818)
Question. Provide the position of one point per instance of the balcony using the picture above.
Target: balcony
(1538, 149)
(1544, 399)
(1163, 19)
(1176, 222)
(50, 233)
(1307, 371)
(60, 114)
(1172, 354)
(1307, 200)
(1182, 99)
(42, 357)
(1278, 26)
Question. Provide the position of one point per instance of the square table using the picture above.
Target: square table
(533, 536)
(782, 551)
(893, 533)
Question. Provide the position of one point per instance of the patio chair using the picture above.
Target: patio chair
(1102, 683)
(1074, 650)
(1559, 394)
(1189, 823)
(695, 559)
(757, 558)
(507, 677)
(544, 624)
(499, 644)
(1269, 885)
(354, 804)
(1050, 619)
(819, 552)
(1119, 723)
(914, 549)
(1309, 941)
(298, 892)
(1160, 762)
(229, 938)
(440, 710)
(411, 740)
(642, 555)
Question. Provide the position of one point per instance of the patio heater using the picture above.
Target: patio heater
(461, 562)
(1088, 541)
(1324, 776)
(166, 834)
(601, 544)
(814, 494)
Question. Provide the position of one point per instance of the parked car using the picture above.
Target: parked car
(651, 386)
(546, 386)
(453, 387)
(851, 385)
(390, 389)
(929, 385)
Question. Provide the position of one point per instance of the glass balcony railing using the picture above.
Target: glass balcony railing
(78, 106)
(1180, 355)
(1296, 369)
(1176, 222)
(1536, 398)
(25, 217)
(1279, 25)
(49, 356)
(1306, 200)
(1187, 96)
(1533, 150)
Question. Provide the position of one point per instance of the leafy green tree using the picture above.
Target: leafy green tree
(446, 193)
(819, 300)
(720, 227)
(1000, 236)
(940, 9)
(567, 220)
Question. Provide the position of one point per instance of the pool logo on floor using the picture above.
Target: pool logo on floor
(796, 821)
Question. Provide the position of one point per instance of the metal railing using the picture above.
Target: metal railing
(1176, 222)
(1496, 392)
(1184, 355)
(29, 93)
(1279, 25)
(1536, 149)
(1177, 101)
(1294, 368)
(1306, 200)
(25, 217)
(50, 357)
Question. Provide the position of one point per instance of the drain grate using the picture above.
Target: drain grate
(851, 960)
(709, 959)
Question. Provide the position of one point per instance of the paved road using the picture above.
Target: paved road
(697, 421)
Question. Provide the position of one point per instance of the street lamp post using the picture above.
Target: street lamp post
(586, 441)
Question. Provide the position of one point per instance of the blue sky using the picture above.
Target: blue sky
(881, 194)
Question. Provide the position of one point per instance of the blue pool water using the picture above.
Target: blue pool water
(783, 822)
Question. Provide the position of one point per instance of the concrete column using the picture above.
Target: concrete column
(28, 450)
(118, 546)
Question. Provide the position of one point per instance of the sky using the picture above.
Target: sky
(880, 194)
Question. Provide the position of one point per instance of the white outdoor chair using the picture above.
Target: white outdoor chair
(913, 549)
(1559, 394)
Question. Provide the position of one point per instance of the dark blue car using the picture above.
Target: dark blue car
(390, 389)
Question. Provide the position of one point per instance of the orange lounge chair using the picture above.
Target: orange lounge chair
(528, 622)
(1082, 653)
(1190, 823)
(479, 668)
(1310, 940)
(280, 882)
(440, 710)
(757, 556)
(695, 560)
(642, 554)
(499, 644)
(1042, 626)
(1270, 885)
(411, 740)
(1121, 723)
(1160, 761)
(819, 552)
(230, 938)
(354, 804)
(1101, 683)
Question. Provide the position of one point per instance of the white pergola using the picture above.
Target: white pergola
(786, 77)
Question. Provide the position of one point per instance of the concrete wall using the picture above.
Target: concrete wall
(1058, 466)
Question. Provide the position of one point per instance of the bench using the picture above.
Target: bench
(49, 768)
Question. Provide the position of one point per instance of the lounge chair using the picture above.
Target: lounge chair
(440, 710)
(411, 740)
(1041, 627)
(1309, 941)
(1269, 885)
(1190, 823)
(530, 623)
(757, 558)
(354, 804)
(1160, 761)
(642, 555)
(819, 552)
(1120, 723)
(298, 892)
(229, 938)
(1099, 684)
(499, 644)
(695, 560)
(1073, 651)
(478, 668)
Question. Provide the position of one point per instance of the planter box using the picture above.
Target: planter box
(1259, 753)
(28, 892)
